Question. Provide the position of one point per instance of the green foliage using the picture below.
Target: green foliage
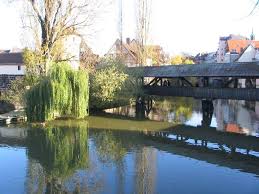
(60, 150)
(179, 59)
(188, 62)
(108, 82)
(33, 61)
(176, 60)
(112, 85)
(15, 94)
(64, 92)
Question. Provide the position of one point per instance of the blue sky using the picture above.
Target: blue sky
(177, 25)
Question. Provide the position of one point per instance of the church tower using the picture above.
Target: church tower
(252, 36)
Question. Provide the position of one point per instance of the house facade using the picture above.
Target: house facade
(126, 52)
(11, 67)
(250, 54)
(129, 53)
(11, 63)
(233, 46)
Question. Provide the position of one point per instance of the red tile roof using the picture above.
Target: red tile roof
(234, 128)
(239, 45)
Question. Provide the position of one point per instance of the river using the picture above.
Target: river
(169, 145)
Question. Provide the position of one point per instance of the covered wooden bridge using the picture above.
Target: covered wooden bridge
(210, 81)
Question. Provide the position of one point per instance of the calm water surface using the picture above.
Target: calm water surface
(175, 145)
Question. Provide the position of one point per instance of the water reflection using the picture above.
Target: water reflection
(175, 110)
(55, 153)
(118, 154)
(237, 116)
(146, 161)
(109, 147)
(226, 115)
(75, 159)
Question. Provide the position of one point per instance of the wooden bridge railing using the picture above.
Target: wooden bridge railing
(208, 93)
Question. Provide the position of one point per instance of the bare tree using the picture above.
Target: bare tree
(143, 23)
(51, 21)
(254, 7)
(88, 60)
(120, 24)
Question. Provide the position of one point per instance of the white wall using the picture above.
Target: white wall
(12, 70)
(72, 50)
(248, 55)
(226, 58)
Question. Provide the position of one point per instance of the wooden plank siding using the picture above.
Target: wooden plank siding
(208, 93)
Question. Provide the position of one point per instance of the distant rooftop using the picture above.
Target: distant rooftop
(233, 37)
(11, 58)
(239, 45)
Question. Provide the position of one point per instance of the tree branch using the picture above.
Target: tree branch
(255, 6)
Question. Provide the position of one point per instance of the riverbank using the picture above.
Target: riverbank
(13, 117)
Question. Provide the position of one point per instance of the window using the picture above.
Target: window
(19, 67)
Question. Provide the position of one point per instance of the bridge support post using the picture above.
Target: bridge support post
(140, 107)
(236, 83)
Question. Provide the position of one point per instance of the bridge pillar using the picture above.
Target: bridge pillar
(140, 107)
(236, 83)
(207, 112)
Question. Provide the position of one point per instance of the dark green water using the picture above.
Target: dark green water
(179, 145)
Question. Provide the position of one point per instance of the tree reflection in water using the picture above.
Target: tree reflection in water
(59, 152)
(175, 110)
(146, 160)
(112, 148)
(109, 148)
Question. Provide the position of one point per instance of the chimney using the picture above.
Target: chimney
(128, 40)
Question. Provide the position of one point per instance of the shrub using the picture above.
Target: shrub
(112, 85)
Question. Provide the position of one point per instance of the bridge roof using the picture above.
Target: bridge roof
(250, 69)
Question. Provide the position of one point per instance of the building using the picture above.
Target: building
(11, 67)
(225, 44)
(233, 46)
(205, 58)
(250, 53)
(129, 53)
(88, 59)
(239, 49)
(72, 50)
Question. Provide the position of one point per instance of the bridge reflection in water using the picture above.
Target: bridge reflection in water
(235, 133)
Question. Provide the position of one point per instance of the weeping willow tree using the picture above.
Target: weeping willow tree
(64, 92)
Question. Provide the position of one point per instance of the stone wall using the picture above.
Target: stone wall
(6, 107)
(5, 80)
